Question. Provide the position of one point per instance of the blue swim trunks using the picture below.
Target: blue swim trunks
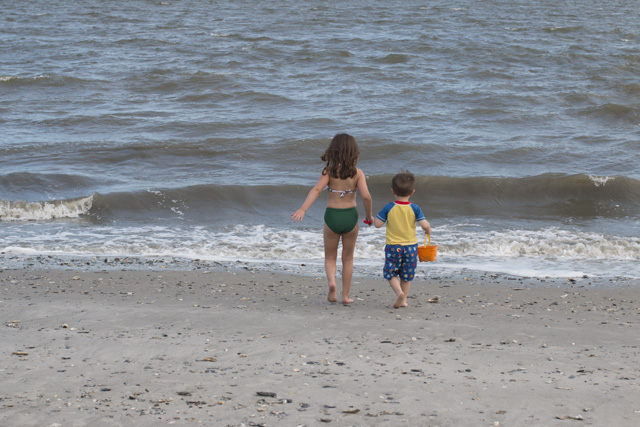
(401, 261)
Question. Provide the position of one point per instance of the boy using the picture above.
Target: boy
(401, 250)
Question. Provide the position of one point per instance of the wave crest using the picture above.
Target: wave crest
(41, 211)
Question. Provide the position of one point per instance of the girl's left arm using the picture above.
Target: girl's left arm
(366, 196)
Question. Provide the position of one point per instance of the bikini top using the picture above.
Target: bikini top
(342, 193)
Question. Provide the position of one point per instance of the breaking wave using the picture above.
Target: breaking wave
(42, 211)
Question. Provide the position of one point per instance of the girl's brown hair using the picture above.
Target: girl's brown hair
(341, 157)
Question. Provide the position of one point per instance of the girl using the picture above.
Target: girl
(341, 179)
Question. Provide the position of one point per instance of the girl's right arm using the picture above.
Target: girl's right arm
(311, 197)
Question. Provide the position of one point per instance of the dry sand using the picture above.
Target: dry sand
(243, 348)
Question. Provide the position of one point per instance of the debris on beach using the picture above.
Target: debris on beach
(13, 324)
(380, 414)
(571, 417)
(266, 394)
(264, 402)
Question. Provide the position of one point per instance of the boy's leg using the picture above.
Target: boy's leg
(405, 286)
(407, 270)
(348, 248)
(391, 270)
(331, 242)
(397, 288)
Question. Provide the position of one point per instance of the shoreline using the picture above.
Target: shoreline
(302, 268)
(232, 346)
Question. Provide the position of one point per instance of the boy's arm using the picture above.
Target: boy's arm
(420, 219)
(381, 218)
(424, 224)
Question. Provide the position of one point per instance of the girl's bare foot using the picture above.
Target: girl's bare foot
(347, 300)
(400, 301)
(333, 295)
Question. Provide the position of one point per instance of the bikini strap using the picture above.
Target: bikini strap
(342, 193)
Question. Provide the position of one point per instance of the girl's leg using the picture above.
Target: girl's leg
(331, 241)
(348, 248)
(397, 288)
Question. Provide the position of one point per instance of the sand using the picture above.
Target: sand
(236, 347)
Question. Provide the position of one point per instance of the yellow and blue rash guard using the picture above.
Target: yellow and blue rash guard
(401, 218)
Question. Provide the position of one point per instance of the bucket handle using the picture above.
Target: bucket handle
(425, 239)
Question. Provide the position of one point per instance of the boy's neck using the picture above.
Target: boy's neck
(403, 199)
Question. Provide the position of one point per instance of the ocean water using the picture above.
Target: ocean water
(193, 129)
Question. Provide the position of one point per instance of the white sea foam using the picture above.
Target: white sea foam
(548, 243)
(41, 211)
(548, 252)
(10, 78)
(600, 181)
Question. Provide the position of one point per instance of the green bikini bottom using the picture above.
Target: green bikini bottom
(341, 221)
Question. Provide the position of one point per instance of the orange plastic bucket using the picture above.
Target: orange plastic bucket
(427, 252)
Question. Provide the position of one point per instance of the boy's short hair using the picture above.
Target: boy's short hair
(403, 183)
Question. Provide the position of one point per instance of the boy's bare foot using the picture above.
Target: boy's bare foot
(400, 301)
(333, 295)
(347, 300)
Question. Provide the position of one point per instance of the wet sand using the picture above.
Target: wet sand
(226, 347)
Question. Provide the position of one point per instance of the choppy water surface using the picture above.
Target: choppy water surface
(194, 128)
